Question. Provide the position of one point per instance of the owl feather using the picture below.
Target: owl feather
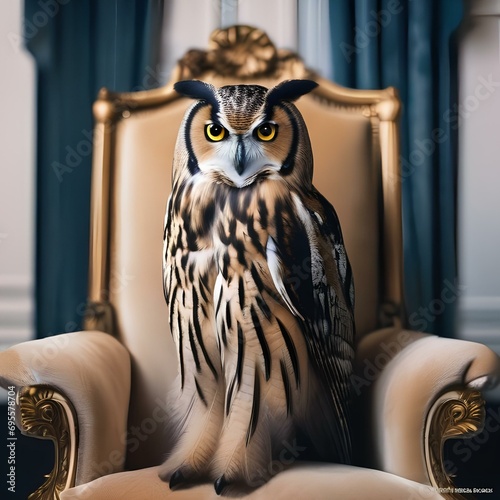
(259, 290)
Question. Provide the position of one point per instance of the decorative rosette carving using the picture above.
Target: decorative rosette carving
(240, 52)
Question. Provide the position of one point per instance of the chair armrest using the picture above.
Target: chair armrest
(415, 381)
(88, 370)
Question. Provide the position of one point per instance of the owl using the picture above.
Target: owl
(259, 292)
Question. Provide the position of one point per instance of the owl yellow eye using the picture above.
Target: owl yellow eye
(266, 132)
(215, 132)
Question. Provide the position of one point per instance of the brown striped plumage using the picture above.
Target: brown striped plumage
(259, 290)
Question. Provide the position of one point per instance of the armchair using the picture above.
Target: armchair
(100, 394)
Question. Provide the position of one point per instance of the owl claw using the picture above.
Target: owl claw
(176, 479)
(220, 485)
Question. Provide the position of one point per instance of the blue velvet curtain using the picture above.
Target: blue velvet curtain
(79, 47)
(410, 44)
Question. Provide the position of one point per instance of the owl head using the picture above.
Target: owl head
(241, 134)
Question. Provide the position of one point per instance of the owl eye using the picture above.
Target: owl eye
(215, 132)
(266, 132)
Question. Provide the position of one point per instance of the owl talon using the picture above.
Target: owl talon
(176, 480)
(220, 484)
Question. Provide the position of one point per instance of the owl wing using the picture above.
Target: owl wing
(312, 274)
(188, 280)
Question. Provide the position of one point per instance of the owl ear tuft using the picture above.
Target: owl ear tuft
(196, 89)
(289, 90)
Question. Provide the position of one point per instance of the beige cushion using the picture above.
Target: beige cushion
(145, 142)
(302, 482)
(93, 370)
(405, 372)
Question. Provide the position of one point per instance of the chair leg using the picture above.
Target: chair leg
(45, 413)
(456, 414)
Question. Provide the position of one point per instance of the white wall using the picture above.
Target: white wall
(188, 25)
(479, 172)
(278, 18)
(17, 175)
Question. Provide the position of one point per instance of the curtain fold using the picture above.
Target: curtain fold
(78, 47)
(410, 45)
(341, 14)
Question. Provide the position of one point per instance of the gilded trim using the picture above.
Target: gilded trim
(104, 113)
(99, 316)
(456, 414)
(45, 413)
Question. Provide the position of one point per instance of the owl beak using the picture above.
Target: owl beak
(241, 157)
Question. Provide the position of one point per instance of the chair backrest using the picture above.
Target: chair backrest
(355, 147)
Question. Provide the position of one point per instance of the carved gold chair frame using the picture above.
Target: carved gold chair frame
(243, 54)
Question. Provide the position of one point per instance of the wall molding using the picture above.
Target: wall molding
(17, 183)
(479, 320)
(482, 7)
(478, 176)
(16, 310)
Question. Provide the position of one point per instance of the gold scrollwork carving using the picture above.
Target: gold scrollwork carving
(45, 413)
(456, 414)
(99, 316)
(240, 52)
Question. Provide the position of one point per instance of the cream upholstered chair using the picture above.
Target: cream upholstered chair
(100, 394)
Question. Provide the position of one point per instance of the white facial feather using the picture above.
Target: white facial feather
(221, 163)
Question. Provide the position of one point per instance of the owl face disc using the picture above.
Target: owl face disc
(240, 134)
(239, 158)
